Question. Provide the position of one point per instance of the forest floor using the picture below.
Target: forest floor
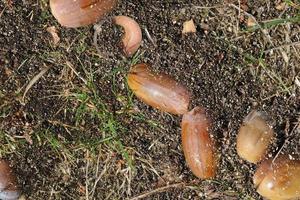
(72, 129)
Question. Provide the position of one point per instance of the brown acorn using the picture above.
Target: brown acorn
(77, 13)
(158, 90)
(132, 38)
(8, 183)
(197, 143)
(254, 137)
(278, 179)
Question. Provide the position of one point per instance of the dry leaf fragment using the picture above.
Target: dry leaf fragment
(55, 38)
(189, 27)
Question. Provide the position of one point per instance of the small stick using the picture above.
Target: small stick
(159, 190)
(98, 30)
(207, 7)
(284, 45)
(77, 74)
(1, 13)
(239, 17)
(34, 80)
(149, 37)
(87, 177)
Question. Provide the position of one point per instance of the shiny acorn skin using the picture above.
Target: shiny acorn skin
(278, 179)
(8, 183)
(77, 13)
(254, 137)
(132, 37)
(158, 90)
(198, 146)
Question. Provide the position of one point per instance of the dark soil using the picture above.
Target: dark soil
(51, 141)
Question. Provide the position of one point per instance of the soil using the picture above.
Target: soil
(79, 133)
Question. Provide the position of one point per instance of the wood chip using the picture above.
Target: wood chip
(189, 27)
(55, 38)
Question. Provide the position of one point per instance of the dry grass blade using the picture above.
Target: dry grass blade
(97, 31)
(34, 80)
(264, 31)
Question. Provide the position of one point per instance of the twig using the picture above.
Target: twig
(238, 20)
(87, 177)
(98, 30)
(34, 80)
(1, 13)
(149, 37)
(77, 74)
(99, 177)
(207, 7)
(158, 190)
(287, 139)
(284, 45)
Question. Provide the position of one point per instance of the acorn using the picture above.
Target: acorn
(158, 90)
(254, 137)
(77, 13)
(197, 143)
(278, 179)
(8, 182)
(132, 38)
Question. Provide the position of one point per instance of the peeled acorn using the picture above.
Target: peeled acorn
(8, 183)
(132, 38)
(77, 13)
(278, 179)
(158, 90)
(197, 143)
(254, 137)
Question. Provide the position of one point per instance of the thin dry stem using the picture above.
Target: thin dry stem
(159, 190)
(282, 46)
